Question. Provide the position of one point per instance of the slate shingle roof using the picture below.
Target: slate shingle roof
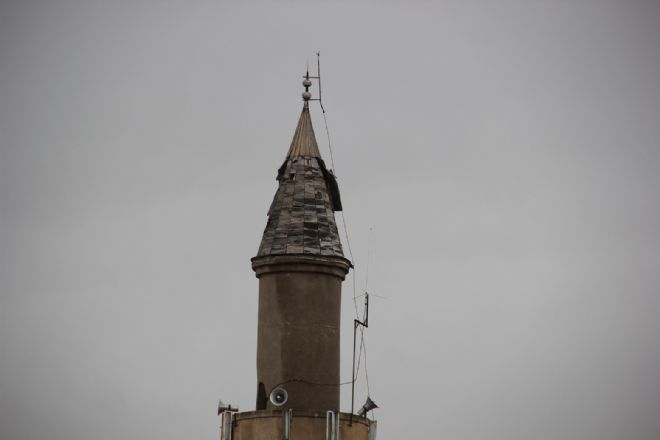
(301, 219)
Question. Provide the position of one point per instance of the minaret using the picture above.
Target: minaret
(300, 266)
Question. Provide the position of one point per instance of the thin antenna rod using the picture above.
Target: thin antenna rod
(318, 73)
(366, 282)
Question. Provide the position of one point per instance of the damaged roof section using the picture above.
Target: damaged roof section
(301, 217)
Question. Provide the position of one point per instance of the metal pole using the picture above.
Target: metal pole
(355, 325)
(318, 73)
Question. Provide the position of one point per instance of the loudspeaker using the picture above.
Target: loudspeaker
(368, 406)
(279, 396)
(222, 407)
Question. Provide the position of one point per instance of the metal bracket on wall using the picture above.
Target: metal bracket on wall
(371, 434)
(287, 415)
(331, 426)
(227, 425)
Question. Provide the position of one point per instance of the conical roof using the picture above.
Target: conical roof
(304, 140)
(301, 219)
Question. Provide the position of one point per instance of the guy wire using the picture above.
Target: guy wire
(343, 218)
(363, 346)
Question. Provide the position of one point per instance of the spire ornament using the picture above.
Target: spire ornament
(307, 83)
(307, 95)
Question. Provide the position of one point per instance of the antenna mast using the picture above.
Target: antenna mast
(307, 96)
(356, 324)
(318, 78)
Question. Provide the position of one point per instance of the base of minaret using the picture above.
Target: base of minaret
(295, 425)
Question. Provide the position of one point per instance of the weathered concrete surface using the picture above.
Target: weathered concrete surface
(298, 330)
(305, 425)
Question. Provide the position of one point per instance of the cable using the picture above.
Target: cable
(366, 287)
(363, 346)
(327, 133)
(343, 218)
(308, 382)
(366, 371)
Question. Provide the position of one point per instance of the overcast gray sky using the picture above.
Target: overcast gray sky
(505, 153)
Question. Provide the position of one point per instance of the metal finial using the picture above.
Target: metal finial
(307, 82)
(307, 95)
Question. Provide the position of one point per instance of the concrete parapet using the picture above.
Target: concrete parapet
(302, 425)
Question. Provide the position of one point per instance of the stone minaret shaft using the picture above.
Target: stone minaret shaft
(300, 266)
